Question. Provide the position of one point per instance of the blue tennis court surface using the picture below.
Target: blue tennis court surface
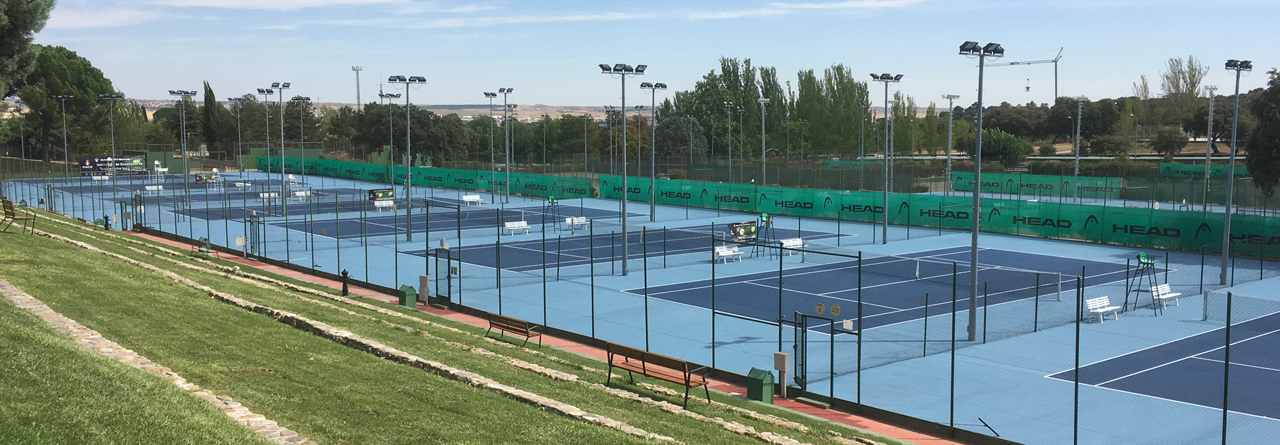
(438, 220)
(574, 250)
(893, 288)
(1190, 369)
(322, 202)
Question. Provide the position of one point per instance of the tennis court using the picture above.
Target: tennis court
(576, 250)
(892, 288)
(1178, 370)
(438, 219)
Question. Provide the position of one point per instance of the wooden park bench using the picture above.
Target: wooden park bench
(723, 253)
(513, 226)
(1161, 294)
(1101, 306)
(657, 366)
(505, 324)
(471, 199)
(11, 215)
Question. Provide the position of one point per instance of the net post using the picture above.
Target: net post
(925, 348)
(984, 311)
(559, 239)
(1035, 318)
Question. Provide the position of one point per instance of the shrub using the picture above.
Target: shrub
(1047, 149)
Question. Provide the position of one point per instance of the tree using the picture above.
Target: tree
(1110, 144)
(674, 135)
(1263, 143)
(19, 21)
(1169, 141)
(1180, 83)
(217, 125)
(59, 71)
(1010, 150)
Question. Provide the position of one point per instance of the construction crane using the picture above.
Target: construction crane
(1054, 61)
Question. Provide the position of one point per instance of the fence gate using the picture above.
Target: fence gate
(816, 363)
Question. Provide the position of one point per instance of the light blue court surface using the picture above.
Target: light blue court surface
(1147, 377)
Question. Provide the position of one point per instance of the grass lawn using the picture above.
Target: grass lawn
(55, 391)
(260, 387)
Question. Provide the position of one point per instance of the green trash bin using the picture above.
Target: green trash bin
(760, 385)
(408, 296)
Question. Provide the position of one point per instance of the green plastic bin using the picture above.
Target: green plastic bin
(408, 296)
(760, 385)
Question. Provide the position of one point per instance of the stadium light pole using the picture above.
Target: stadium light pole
(653, 144)
(886, 79)
(303, 108)
(22, 133)
(862, 121)
(358, 69)
(1238, 66)
(266, 113)
(742, 155)
(1208, 147)
(728, 137)
(506, 143)
(492, 162)
(186, 172)
(239, 101)
(280, 87)
(994, 51)
(623, 70)
(762, 101)
(66, 159)
(804, 127)
(408, 146)
(1075, 176)
(951, 104)
(111, 98)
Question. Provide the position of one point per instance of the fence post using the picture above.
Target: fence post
(591, 247)
(644, 248)
(1075, 379)
(1226, 370)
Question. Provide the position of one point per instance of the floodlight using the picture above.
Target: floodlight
(897, 78)
(646, 85)
(418, 79)
(618, 68)
(993, 49)
(763, 100)
(511, 90)
(175, 92)
(1232, 63)
(285, 85)
(628, 69)
(660, 86)
(968, 48)
(1246, 65)
(275, 84)
(605, 68)
(875, 76)
(262, 91)
(640, 68)
(271, 91)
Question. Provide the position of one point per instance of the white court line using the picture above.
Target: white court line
(813, 294)
(1185, 358)
(1264, 368)
(1158, 345)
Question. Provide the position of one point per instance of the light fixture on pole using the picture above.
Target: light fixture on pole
(762, 101)
(492, 162)
(653, 144)
(886, 79)
(951, 104)
(112, 164)
(186, 172)
(358, 69)
(284, 192)
(66, 159)
(1238, 66)
(506, 142)
(623, 70)
(1075, 178)
(990, 50)
(408, 146)
(863, 107)
(391, 131)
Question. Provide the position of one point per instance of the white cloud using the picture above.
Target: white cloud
(63, 18)
(851, 4)
(525, 19)
(719, 15)
(270, 4)
(289, 27)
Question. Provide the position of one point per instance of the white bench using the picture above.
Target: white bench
(791, 243)
(513, 226)
(157, 189)
(300, 195)
(1162, 294)
(1101, 306)
(99, 178)
(268, 196)
(576, 221)
(240, 184)
(471, 199)
(383, 204)
(723, 253)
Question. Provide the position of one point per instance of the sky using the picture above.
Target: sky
(549, 52)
